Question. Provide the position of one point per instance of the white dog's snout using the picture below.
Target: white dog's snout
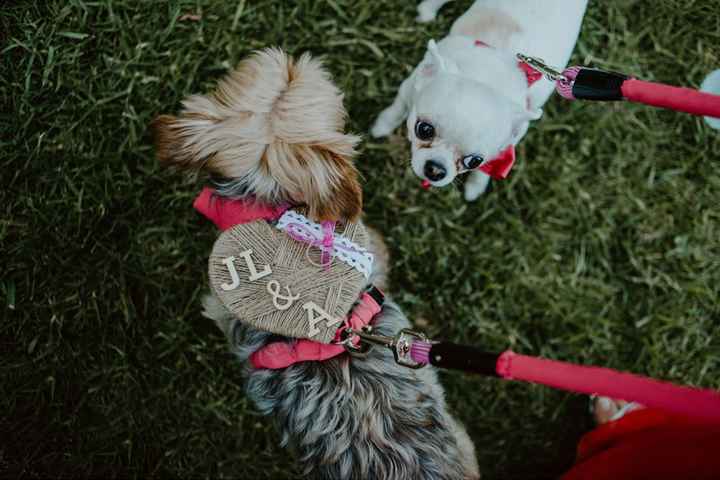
(435, 165)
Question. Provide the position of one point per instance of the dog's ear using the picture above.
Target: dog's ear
(331, 187)
(190, 140)
(165, 138)
(177, 139)
(345, 202)
(435, 62)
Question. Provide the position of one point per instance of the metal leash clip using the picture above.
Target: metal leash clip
(540, 65)
(400, 344)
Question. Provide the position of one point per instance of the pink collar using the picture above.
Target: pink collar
(226, 213)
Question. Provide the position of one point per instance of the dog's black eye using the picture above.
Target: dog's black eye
(471, 162)
(424, 131)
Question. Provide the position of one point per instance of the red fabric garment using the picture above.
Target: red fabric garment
(649, 444)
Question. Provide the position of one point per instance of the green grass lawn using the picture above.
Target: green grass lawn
(602, 246)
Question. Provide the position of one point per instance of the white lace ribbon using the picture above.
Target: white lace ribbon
(304, 230)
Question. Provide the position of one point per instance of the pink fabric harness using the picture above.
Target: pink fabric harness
(283, 354)
(225, 214)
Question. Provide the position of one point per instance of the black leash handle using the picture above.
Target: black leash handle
(462, 357)
(414, 350)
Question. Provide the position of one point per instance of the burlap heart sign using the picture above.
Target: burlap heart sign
(273, 276)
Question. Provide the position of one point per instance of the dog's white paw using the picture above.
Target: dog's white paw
(476, 185)
(426, 12)
(382, 126)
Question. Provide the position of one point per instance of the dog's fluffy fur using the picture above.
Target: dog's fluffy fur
(474, 94)
(274, 129)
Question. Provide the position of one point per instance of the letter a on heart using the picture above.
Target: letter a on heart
(316, 315)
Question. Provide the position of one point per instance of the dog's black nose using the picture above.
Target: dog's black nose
(434, 171)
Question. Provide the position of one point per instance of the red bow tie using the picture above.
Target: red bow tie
(500, 166)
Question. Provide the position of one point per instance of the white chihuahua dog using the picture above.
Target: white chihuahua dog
(469, 101)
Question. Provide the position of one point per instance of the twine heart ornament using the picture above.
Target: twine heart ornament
(278, 284)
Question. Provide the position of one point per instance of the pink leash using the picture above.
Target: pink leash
(687, 401)
(666, 396)
(414, 350)
(592, 84)
(675, 98)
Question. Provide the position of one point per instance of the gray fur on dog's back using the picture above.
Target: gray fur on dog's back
(357, 418)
